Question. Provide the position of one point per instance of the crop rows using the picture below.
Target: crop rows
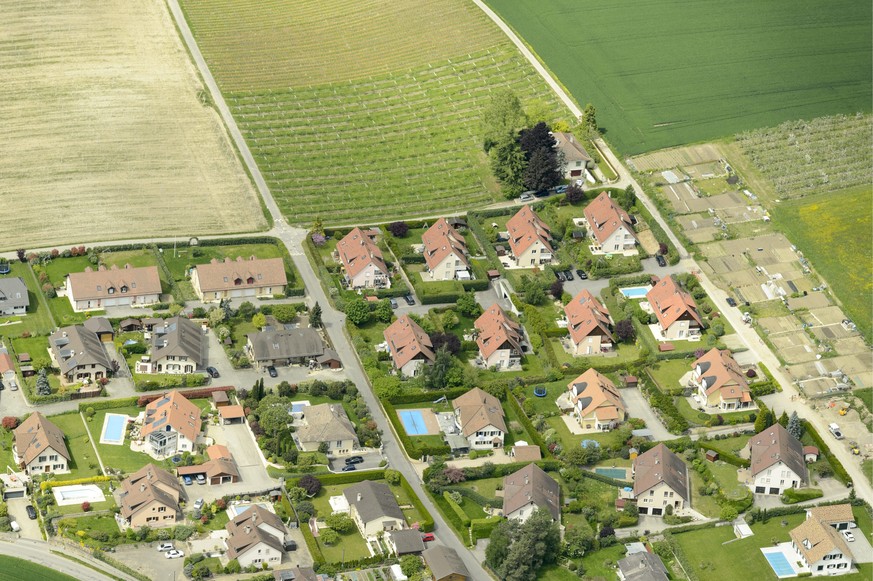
(806, 157)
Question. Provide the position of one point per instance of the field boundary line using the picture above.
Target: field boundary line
(93, 445)
(530, 56)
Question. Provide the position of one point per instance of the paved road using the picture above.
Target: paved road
(638, 407)
(39, 552)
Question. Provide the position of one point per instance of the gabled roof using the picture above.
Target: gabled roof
(218, 451)
(527, 453)
(643, 566)
(723, 374)
(444, 562)
(658, 465)
(13, 292)
(153, 475)
(832, 513)
(524, 229)
(376, 501)
(325, 422)
(98, 325)
(478, 409)
(408, 341)
(572, 149)
(146, 485)
(815, 539)
(356, 251)
(6, 363)
(586, 316)
(605, 217)
(75, 345)
(594, 392)
(407, 541)
(35, 435)
(177, 336)
(442, 240)
(114, 282)
(296, 574)
(531, 484)
(775, 444)
(671, 303)
(497, 331)
(245, 531)
(173, 410)
(286, 344)
(240, 273)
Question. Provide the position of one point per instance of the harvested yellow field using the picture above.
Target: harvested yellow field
(105, 132)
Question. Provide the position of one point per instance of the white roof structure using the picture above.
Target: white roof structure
(339, 504)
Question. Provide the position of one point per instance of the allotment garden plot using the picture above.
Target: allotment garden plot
(384, 124)
(105, 132)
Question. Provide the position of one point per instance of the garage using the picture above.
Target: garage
(644, 510)
(7, 494)
(774, 491)
(657, 511)
(760, 490)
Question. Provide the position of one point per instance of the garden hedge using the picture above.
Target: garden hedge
(606, 479)
(426, 523)
(481, 528)
(104, 404)
(726, 456)
(459, 512)
(312, 545)
(793, 495)
(528, 425)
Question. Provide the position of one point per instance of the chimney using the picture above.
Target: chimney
(142, 487)
(360, 497)
(526, 480)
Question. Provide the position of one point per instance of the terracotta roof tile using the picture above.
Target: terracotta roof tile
(596, 393)
(175, 410)
(478, 409)
(773, 445)
(605, 217)
(240, 273)
(524, 229)
(357, 250)
(671, 303)
(35, 435)
(723, 374)
(531, 484)
(408, 341)
(586, 316)
(497, 331)
(441, 240)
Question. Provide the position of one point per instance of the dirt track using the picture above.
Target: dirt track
(104, 133)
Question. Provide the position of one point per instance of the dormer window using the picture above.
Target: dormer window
(237, 281)
(250, 280)
(99, 288)
(124, 289)
(111, 290)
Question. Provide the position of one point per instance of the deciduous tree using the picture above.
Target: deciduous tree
(503, 117)
(357, 311)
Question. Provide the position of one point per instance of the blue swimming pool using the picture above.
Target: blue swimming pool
(780, 564)
(298, 406)
(413, 422)
(617, 473)
(113, 429)
(634, 292)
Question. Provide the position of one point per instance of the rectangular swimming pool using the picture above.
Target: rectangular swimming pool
(780, 564)
(113, 429)
(617, 473)
(634, 292)
(413, 422)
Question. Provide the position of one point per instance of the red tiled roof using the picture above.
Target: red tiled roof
(671, 303)
(524, 229)
(496, 330)
(357, 250)
(585, 316)
(441, 240)
(605, 217)
(723, 374)
(408, 341)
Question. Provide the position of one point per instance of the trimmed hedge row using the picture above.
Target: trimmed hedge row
(167, 382)
(104, 404)
(450, 516)
(793, 496)
(839, 471)
(726, 456)
(428, 397)
(312, 545)
(413, 451)
(144, 400)
(459, 512)
(528, 425)
(606, 479)
(481, 528)
(479, 499)
(426, 523)
(49, 484)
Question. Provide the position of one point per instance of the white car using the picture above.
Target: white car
(174, 554)
(849, 536)
(15, 526)
(198, 504)
(526, 198)
(165, 547)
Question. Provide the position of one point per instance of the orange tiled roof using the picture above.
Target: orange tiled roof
(605, 217)
(441, 240)
(407, 341)
(596, 393)
(496, 330)
(174, 410)
(671, 303)
(525, 228)
(723, 374)
(586, 316)
(357, 250)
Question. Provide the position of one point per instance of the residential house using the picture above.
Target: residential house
(325, 423)
(39, 447)
(530, 239)
(526, 453)
(405, 542)
(661, 482)
(78, 354)
(609, 225)
(528, 490)
(362, 261)
(596, 402)
(373, 508)
(231, 279)
(499, 339)
(279, 347)
(101, 327)
(838, 516)
(176, 347)
(13, 296)
(7, 367)
(675, 309)
(819, 545)
(113, 287)
(720, 381)
(445, 564)
(445, 252)
(410, 347)
(480, 418)
(298, 574)
(256, 538)
(777, 461)
(171, 425)
(130, 325)
(150, 497)
(576, 159)
(219, 469)
(589, 324)
(642, 566)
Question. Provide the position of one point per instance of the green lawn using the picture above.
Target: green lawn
(13, 569)
(831, 228)
(601, 564)
(64, 315)
(58, 269)
(732, 445)
(866, 396)
(36, 347)
(607, 439)
(84, 461)
(38, 320)
(184, 256)
(867, 467)
(745, 68)
(726, 476)
(667, 374)
(351, 545)
(135, 258)
(118, 457)
(6, 440)
(622, 354)
(545, 405)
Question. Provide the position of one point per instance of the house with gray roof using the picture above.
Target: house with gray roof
(405, 542)
(445, 564)
(328, 423)
(13, 296)
(529, 489)
(277, 347)
(777, 461)
(642, 566)
(79, 354)
(374, 508)
(660, 480)
(176, 347)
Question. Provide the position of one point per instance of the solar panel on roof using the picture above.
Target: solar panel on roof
(160, 422)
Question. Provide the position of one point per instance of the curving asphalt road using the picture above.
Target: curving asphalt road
(39, 552)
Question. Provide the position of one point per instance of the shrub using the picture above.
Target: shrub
(329, 536)
(183, 532)
(86, 506)
(310, 484)
(10, 422)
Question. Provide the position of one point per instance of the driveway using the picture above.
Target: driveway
(638, 407)
(18, 513)
(253, 474)
(371, 461)
(146, 559)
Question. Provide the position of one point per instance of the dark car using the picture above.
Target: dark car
(290, 546)
(542, 194)
(731, 302)
(5, 268)
(31, 512)
(659, 258)
(349, 468)
(560, 276)
(393, 303)
(213, 372)
(568, 274)
(409, 300)
(582, 274)
(561, 189)
(272, 371)
(354, 460)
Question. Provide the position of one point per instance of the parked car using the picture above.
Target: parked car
(163, 547)
(731, 302)
(198, 504)
(16, 528)
(31, 512)
(201, 479)
(560, 189)
(290, 546)
(560, 276)
(849, 536)
(213, 372)
(659, 258)
(427, 537)
(5, 268)
(409, 300)
(272, 371)
(526, 198)
(187, 480)
(568, 274)
(582, 274)
(174, 554)
(835, 430)
(393, 303)
(355, 460)
(349, 468)
(13, 385)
